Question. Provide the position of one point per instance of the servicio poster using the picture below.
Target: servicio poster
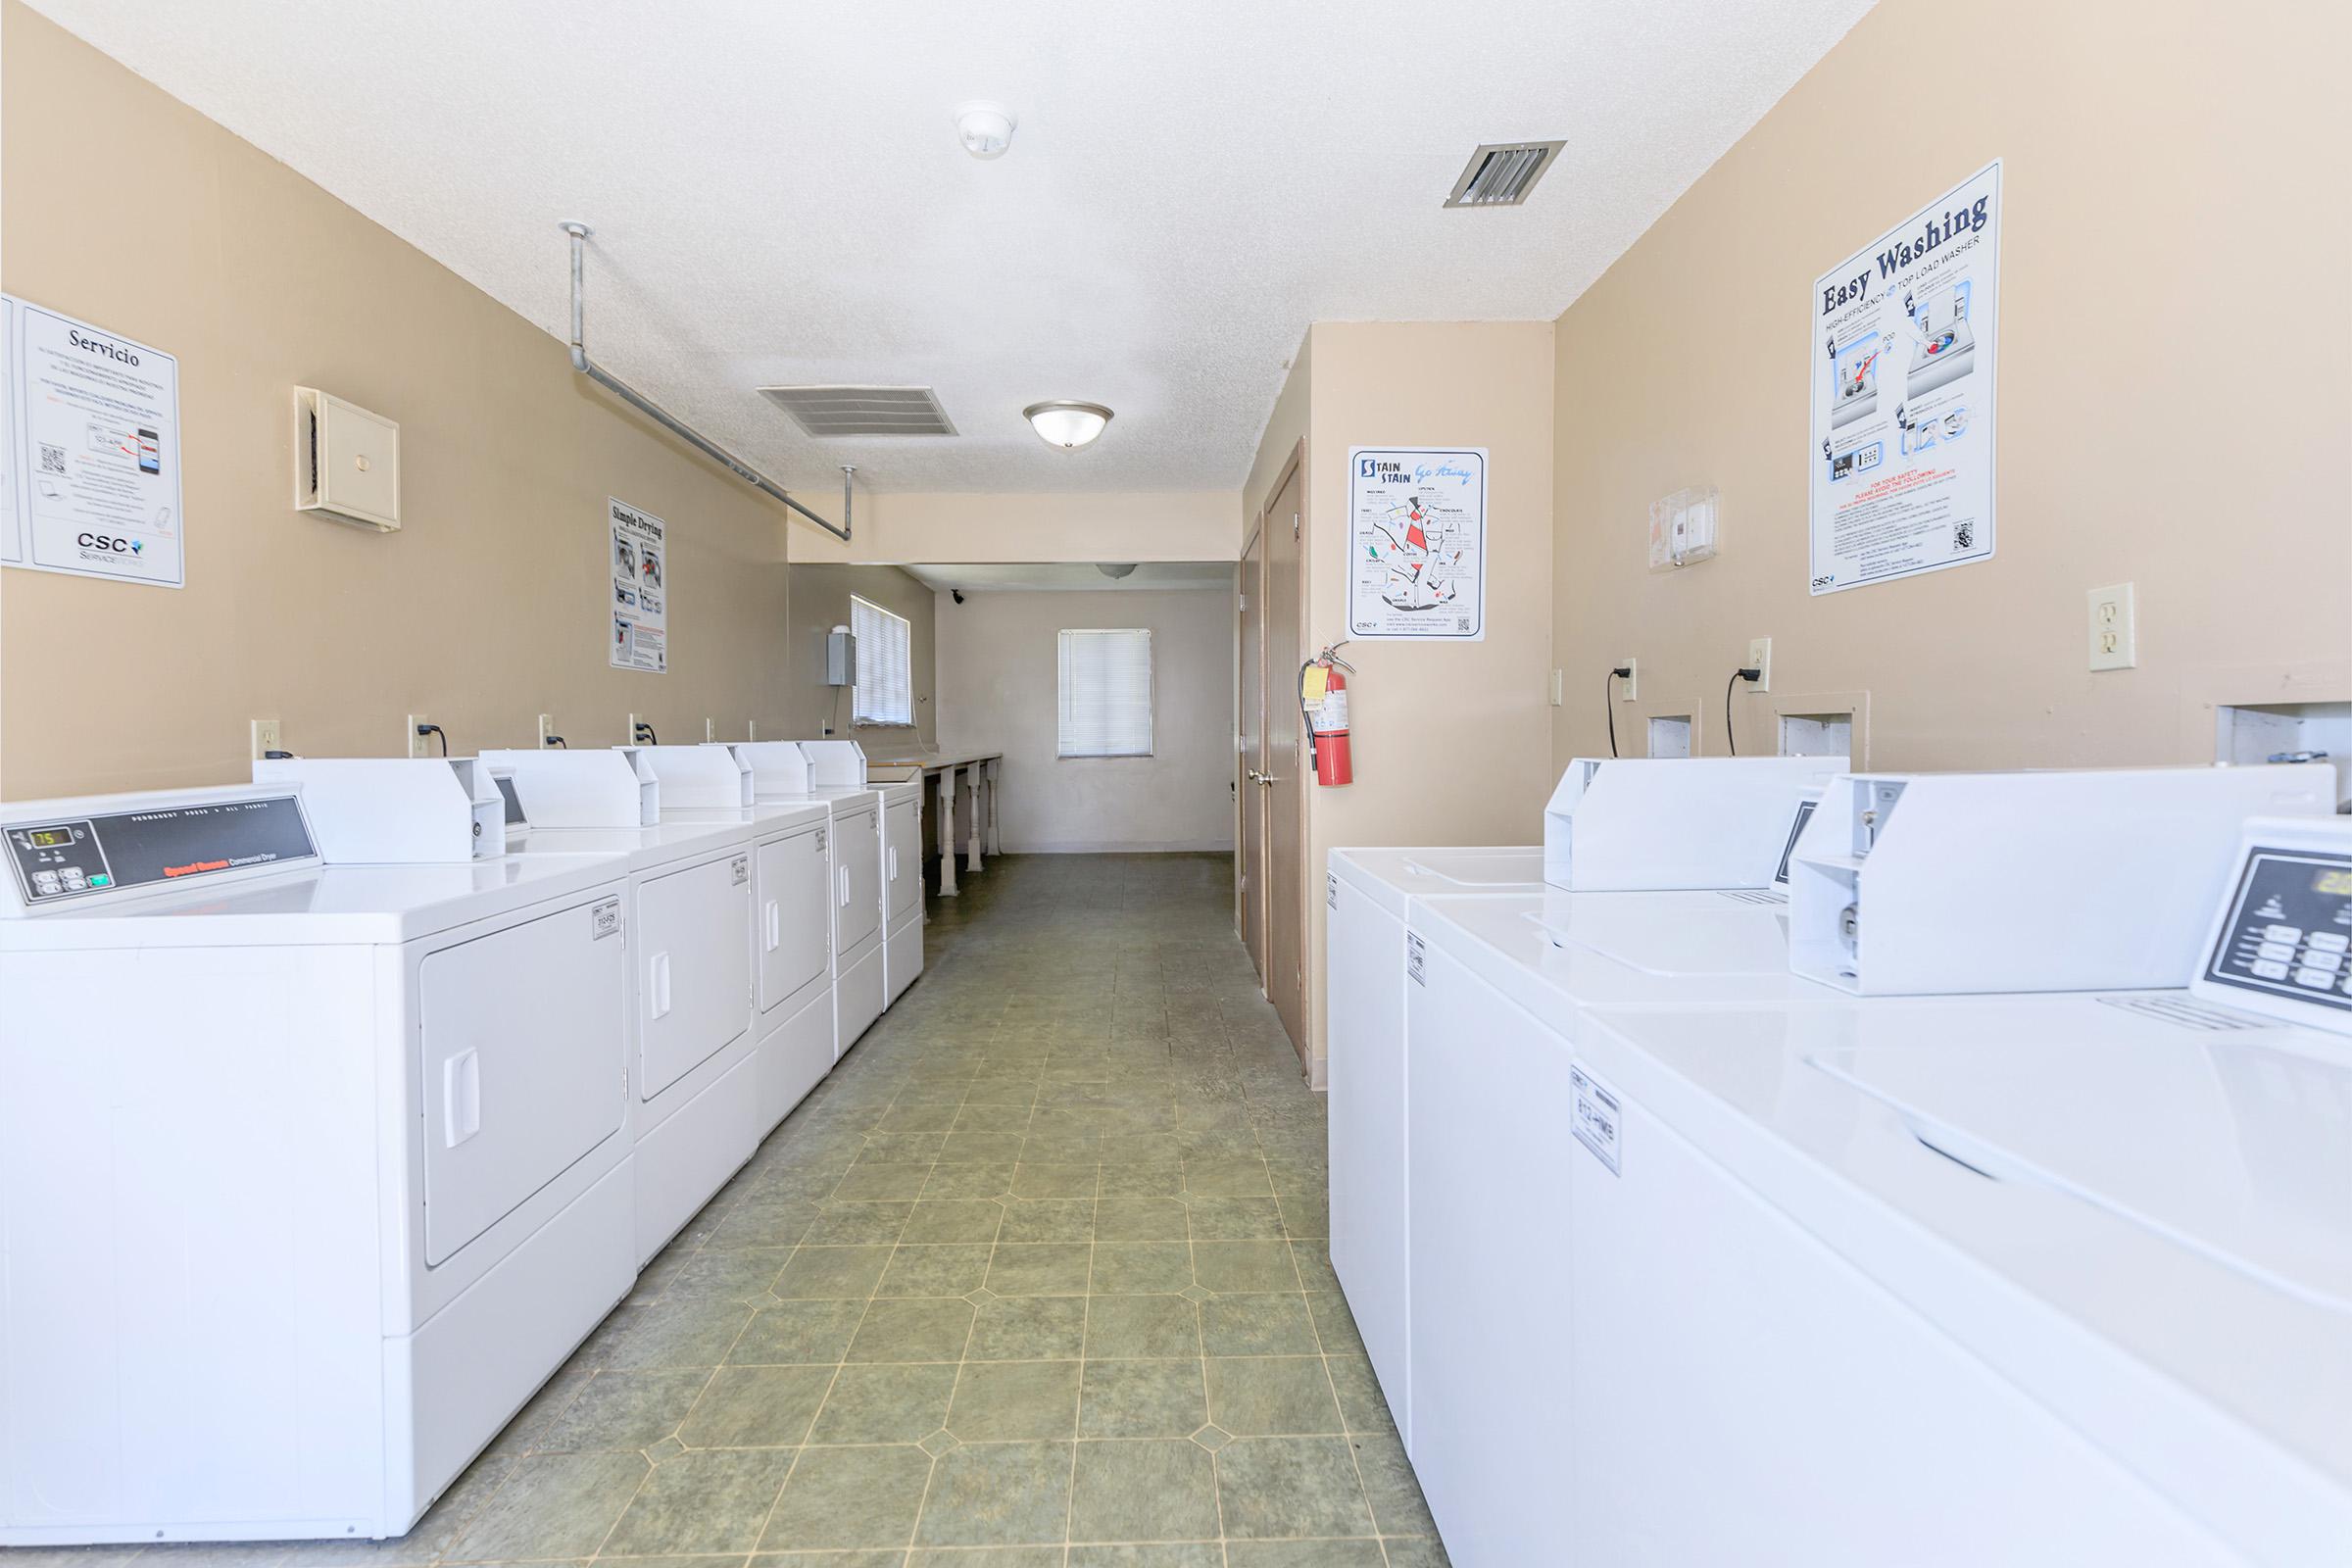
(94, 452)
(1902, 394)
(640, 603)
(1417, 543)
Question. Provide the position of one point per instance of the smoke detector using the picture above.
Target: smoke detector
(1501, 173)
(985, 129)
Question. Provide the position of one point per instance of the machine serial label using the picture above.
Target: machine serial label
(1331, 890)
(741, 866)
(1598, 1124)
(604, 919)
(1416, 960)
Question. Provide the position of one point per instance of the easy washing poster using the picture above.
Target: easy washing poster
(92, 458)
(1903, 335)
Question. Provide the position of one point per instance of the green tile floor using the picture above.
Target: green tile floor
(1036, 1278)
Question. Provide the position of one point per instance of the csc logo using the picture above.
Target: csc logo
(100, 541)
(1363, 467)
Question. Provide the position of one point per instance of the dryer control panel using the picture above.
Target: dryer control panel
(2288, 932)
(126, 852)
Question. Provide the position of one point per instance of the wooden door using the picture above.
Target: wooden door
(1284, 532)
(1250, 758)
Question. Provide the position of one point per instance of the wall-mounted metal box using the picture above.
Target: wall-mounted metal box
(346, 461)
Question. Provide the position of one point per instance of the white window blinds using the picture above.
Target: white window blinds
(885, 690)
(1106, 693)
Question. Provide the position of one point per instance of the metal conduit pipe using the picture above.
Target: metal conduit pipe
(661, 416)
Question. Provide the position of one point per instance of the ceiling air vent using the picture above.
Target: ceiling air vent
(839, 410)
(1500, 175)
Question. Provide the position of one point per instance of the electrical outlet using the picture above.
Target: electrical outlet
(267, 736)
(709, 730)
(2114, 630)
(633, 733)
(419, 745)
(1628, 684)
(1559, 686)
(547, 730)
(751, 732)
(1759, 659)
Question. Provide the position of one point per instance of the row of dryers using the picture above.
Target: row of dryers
(1784, 1166)
(337, 1108)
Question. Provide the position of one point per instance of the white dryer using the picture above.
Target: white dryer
(694, 1101)
(310, 1174)
(2027, 1278)
(1368, 892)
(862, 865)
(791, 918)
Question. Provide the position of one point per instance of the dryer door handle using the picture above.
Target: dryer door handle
(844, 887)
(461, 1098)
(659, 985)
(775, 925)
(894, 862)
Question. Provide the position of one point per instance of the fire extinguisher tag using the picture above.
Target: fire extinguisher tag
(1331, 716)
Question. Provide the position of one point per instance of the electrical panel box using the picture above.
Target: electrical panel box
(346, 461)
(841, 656)
(1681, 527)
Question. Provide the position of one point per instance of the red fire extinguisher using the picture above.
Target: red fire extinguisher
(1327, 718)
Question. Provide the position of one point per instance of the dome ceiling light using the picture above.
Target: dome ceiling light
(985, 129)
(1065, 425)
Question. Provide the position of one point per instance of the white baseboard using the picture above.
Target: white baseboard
(1187, 847)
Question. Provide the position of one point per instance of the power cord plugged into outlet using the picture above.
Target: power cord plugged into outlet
(1608, 695)
(435, 729)
(1731, 735)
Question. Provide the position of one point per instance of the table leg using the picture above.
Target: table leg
(971, 786)
(947, 833)
(996, 845)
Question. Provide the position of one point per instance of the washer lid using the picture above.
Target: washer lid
(1675, 935)
(2236, 1144)
(1393, 876)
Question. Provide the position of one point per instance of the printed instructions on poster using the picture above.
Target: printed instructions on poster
(1417, 543)
(1903, 389)
(640, 604)
(94, 452)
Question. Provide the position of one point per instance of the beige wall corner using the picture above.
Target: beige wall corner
(2162, 419)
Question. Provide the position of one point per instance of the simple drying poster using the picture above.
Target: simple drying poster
(1903, 379)
(640, 603)
(1417, 543)
(93, 458)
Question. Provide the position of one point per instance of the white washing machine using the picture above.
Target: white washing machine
(694, 1102)
(310, 1174)
(791, 914)
(2024, 1279)
(1368, 892)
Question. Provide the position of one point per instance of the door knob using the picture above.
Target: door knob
(1255, 778)
(1268, 779)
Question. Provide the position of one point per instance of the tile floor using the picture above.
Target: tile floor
(1036, 1278)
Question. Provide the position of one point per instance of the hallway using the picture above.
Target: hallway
(1041, 1266)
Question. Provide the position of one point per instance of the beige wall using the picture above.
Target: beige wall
(1450, 740)
(1138, 525)
(485, 610)
(2176, 195)
(1000, 687)
(819, 602)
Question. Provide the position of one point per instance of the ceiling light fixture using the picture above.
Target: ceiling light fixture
(1065, 425)
(1115, 570)
(985, 129)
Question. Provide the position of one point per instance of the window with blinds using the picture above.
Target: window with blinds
(1106, 693)
(885, 684)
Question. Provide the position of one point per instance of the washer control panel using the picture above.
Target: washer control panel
(92, 856)
(2289, 930)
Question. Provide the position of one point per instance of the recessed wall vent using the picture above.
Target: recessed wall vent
(1501, 173)
(839, 410)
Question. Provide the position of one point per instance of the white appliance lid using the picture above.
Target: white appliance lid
(1672, 935)
(1394, 875)
(2235, 1143)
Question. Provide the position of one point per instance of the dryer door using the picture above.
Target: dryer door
(858, 880)
(522, 1052)
(794, 916)
(903, 856)
(694, 968)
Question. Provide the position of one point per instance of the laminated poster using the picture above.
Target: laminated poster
(94, 452)
(1417, 543)
(1903, 388)
(640, 603)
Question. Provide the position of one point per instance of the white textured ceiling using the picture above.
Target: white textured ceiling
(779, 197)
(1079, 578)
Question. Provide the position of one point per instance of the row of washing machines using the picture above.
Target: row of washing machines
(337, 1108)
(1788, 1166)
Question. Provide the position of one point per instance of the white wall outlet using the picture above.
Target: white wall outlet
(547, 730)
(267, 736)
(632, 733)
(709, 730)
(2114, 630)
(419, 745)
(751, 732)
(1759, 659)
(1559, 686)
(1628, 684)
